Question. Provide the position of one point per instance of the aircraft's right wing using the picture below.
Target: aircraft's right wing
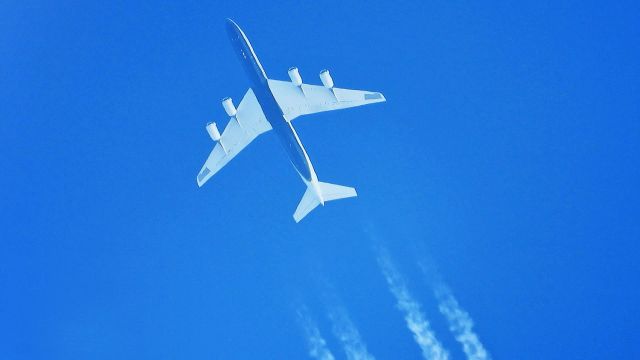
(249, 122)
(309, 99)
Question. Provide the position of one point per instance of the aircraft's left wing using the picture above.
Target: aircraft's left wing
(248, 123)
(308, 99)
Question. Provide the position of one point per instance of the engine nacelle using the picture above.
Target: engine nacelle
(212, 129)
(227, 104)
(295, 77)
(326, 79)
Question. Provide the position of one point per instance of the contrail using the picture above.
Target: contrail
(460, 324)
(317, 344)
(416, 321)
(347, 333)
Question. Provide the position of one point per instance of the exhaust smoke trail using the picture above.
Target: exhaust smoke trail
(416, 321)
(460, 324)
(348, 334)
(317, 344)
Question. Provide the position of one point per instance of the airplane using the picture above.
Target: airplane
(273, 105)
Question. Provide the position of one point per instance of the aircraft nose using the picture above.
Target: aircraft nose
(232, 27)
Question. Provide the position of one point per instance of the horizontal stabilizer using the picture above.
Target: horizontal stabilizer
(335, 192)
(319, 192)
(309, 202)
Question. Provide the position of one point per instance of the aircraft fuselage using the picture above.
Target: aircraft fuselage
(283, 128)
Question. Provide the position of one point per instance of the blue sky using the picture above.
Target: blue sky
(505, 161)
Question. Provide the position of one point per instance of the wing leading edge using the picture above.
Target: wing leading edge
(241, 130)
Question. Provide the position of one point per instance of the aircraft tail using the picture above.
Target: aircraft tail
(319, 192)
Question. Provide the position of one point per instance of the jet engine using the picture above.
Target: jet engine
(212, 129)
(295, 77)
(326, 79)
(228, 106)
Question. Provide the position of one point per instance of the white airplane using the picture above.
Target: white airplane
(272, 105)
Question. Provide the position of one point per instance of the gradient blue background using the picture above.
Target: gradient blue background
(506, 156)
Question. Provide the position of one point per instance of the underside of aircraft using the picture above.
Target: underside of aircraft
(273, 105)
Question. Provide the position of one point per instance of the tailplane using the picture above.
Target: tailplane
(319, 192)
